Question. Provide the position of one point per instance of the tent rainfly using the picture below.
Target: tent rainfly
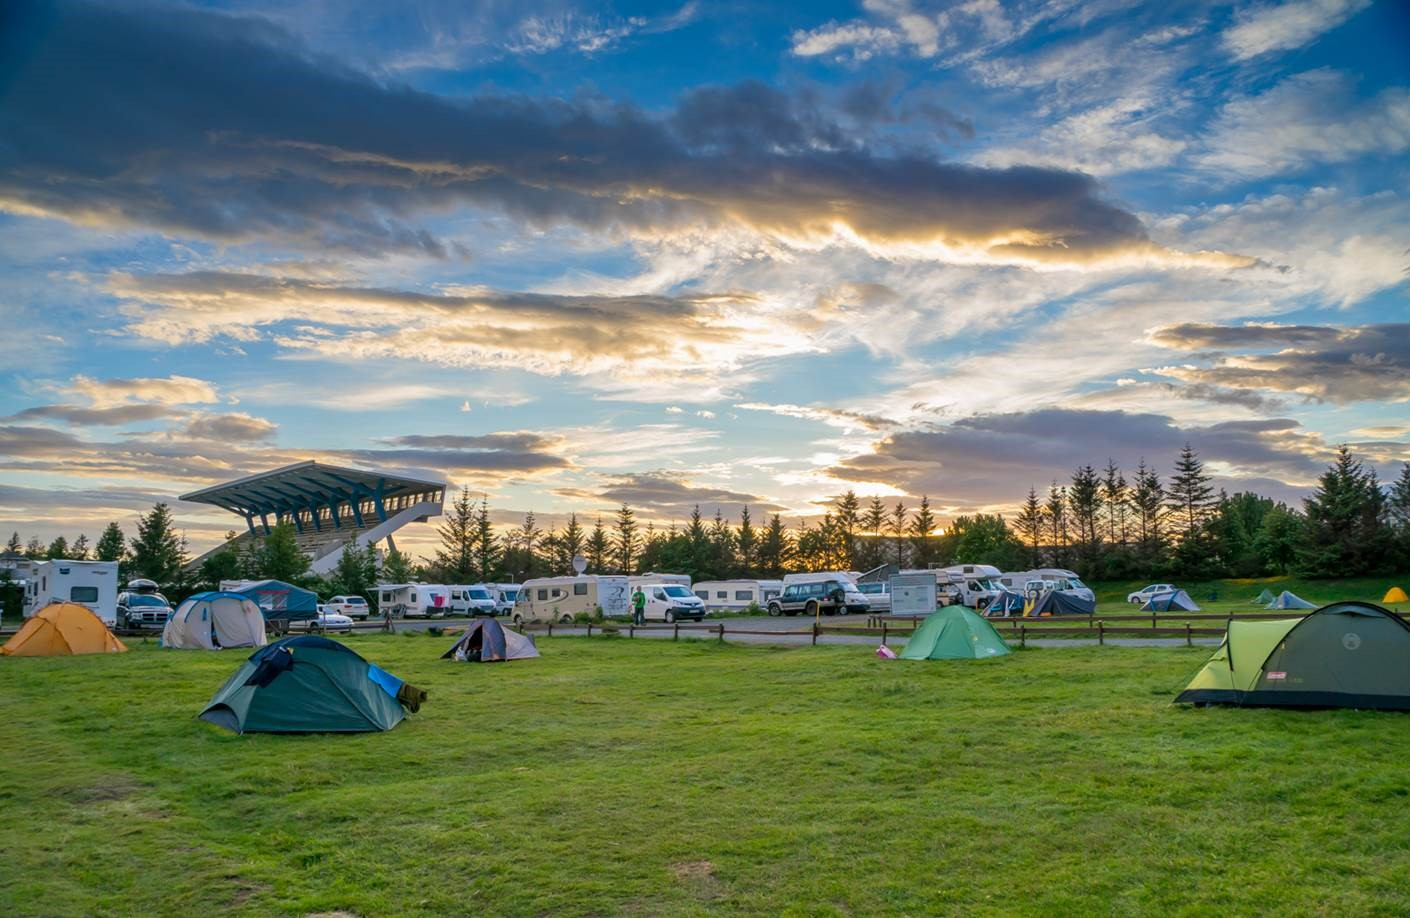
(954, 633)
(1053, 602)
(486, 641)
(310, 684)
(1288, 600)
(213, 621)
(1178, 601)
(60, 629)
(1005, 604)
(1395, 594)
(280, 600)
(1345, 655)
(1265, 597)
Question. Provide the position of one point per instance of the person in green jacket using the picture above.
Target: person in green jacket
(639, 607)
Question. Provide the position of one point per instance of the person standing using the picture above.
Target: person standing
(638, 607)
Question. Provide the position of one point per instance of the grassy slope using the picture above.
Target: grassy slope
(614, 776)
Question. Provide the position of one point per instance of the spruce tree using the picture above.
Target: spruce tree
(747, 544)
(572, 542)
(34, 549)
(396, 568)
(15, 545)
(624, 541)
(922, 531)
(1055, 512)
(1190, 495)
(847, 516)
(455, 559)
(79, 549)
(1084, 500)
(1114, 497)
(1030, 527)
(774, 549)
(899, 528)
(112, 545)
(872, 551)
(1345, 533)
(59, 548)
(156, 551)
(488, 552)
(280, 557)
(598, 548)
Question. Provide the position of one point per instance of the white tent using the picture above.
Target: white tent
(212, 621)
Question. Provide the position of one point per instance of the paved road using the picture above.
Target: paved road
(800, 623)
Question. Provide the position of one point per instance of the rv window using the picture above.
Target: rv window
(703, 594)
(722, 594)
(543, 594)
(84, 594)
(580, 589)
(386, 597)
(746, 595)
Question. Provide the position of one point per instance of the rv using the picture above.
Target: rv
(504, 595)
(972, 585)
(653, 577)
(472, 600)
(413, 600)
(88, 583)
(818, 576)
(667, 598)
(737, 595)
(1031, 583)
(558, 599)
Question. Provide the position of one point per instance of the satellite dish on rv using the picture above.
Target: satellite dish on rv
(579, 563)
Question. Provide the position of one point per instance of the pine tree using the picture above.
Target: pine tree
(1398, 516)
(1147, 501)
(1190, 496)
(1055, 512)
(1030, 526)
(59, 548)
(571, 542)
(79, 549)
(14, 545)
(624, 543)
(396, 568)
(34, 549)
(598, 547)
(488, 553)
(899, 528)
(455, 560)
(922, 533)
(156, 552)
(1114, 495)
(747, 544)
(279, 558)
(847, 515)
(1345, 534)
(112, 546)
(774, 553)
(872, 551)
(699, 541)
(1084, 501)
(721, 548)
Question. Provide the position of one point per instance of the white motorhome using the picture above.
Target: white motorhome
(558, 599)
(972, 585)
(737, 595)
(1030, 583)
(413, 600)
(475, 599)
(653, 577)
(667, 598)
(89, 583)
(504, 596)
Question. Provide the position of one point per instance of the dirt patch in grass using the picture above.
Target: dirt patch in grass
(105, 790)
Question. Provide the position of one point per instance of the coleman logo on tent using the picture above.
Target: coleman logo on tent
(1351, 640)
(1273, 676)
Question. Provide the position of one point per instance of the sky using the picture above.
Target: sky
(567, 256)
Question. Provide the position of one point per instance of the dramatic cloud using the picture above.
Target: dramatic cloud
(235, 426)
(264, 141)
(170, 390)
(665, 495)
(1270, 27)
(992, 460)
(1327, 363)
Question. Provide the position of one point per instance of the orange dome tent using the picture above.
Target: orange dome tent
(1395, 594)
(62, 628)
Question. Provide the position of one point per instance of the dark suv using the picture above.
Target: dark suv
(142, 611)
(819, 596)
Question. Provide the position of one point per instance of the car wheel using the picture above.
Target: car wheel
(774, 610)
(670, 617)
(811, 608)
(842, 609)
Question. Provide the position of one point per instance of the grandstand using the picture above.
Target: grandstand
(328, 505)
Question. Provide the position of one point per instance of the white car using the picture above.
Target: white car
(351, 606)
(327, 621)
(1155, 589)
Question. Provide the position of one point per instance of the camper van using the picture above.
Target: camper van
(972, 585)
(668, 600)
(558, 599)
(1031, 583)
(88, 583)
(471, 600)
(504, 595)
(413, 600)
(736, 595)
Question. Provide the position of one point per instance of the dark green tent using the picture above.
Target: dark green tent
(1346, 655)
(310, 684)
(954, 633)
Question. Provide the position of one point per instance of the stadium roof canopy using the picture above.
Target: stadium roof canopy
(302, 492)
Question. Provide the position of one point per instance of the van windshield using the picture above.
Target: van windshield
(477, 594)
(510, 595)
(678, 591)
(1076, 583)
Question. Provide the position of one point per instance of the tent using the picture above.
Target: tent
(1265, 597)
(1345, 655)
(485, 641)
(62, 628)
(954, 633)
(1005, 604)
(1395, 594)
(1178, 601)
(211, 621)
(1053, 602)
(310, 684)
(1288, 600)
(280, 600)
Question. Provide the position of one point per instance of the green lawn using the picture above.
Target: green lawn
(1239, 592)
(614, 776)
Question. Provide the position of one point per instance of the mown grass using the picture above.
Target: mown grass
(627, 777)
(1240, 592)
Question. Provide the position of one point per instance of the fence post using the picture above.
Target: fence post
(1189, 640)
(676, 635)
(550, 627)
(1022, 635)
(883, 632)
(1152, 619)
(631, 630)
(722, 632)
(815, 634)
(1101, 632)
(589, 634)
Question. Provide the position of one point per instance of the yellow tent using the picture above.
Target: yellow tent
(1395, 594)
(62, 628)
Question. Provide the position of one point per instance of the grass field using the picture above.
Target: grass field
(1232, 593)
(626, 777)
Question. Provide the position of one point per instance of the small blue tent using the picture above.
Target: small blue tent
(1178, 601)
(1288, 600)
(281, 601)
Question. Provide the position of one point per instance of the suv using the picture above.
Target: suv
(352, 606)
(142, 611)
(828, 596)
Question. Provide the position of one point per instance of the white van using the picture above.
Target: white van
(504, 596)
(973, 585)
(88, 583)
(472, 600)
(413, 600)
(668, 601)
(558, 599)
(737, 595)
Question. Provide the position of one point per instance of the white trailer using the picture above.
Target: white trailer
(413, 600)
(737, 595)
(816, 576)
(89, 583)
